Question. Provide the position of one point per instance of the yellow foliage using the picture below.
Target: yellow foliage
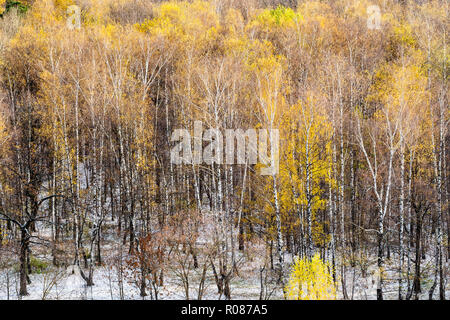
(3, 235)
(181, 19)
(307, 133)
(403, 34)
(311, 280)
(281, 17)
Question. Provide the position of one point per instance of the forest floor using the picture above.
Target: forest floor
(62, 284)
(114, 283)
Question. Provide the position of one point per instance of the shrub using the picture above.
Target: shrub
(37, 265)
(311, 280)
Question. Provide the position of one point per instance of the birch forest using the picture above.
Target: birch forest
(93, 207)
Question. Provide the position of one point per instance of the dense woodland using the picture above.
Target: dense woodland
(87, 115)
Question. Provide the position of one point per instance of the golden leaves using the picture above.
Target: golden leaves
(311, 280)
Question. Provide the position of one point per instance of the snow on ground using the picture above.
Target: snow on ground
(70, 286)
(67, 283)
(63, 284)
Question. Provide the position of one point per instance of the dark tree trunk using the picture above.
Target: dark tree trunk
(380, 264)
(24, 244)
(416, 282)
